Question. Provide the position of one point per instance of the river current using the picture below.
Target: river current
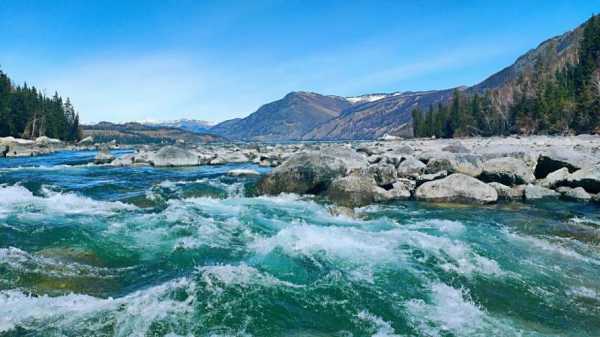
(93, 250)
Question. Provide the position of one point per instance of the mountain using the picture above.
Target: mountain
(193, 125)
(371, 120)
(137, 133)
(311, 116)
(391, 114)
(289, 118)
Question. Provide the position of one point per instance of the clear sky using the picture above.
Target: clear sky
(215, 60)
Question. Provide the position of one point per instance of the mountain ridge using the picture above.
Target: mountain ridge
(371, 116)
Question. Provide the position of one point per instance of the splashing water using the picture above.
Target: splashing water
(91, 250)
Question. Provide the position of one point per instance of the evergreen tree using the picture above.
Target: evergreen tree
(27, 112)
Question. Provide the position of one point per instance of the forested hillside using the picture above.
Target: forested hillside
(557, 97)
(25, 112)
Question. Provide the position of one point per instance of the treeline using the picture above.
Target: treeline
(26, 112)
(564, 102)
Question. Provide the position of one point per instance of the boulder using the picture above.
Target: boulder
(508, 171)
(45, 141)
(126, 160)
(557, 158)
(311, 171)
(576, 194)
(457, 188)
(555, 178)
(411, 167)
(173, 156)
(507, 192)
(384, 174)
(234, 157)
(403, 189)
(355, 190)
(534, 192)
(588, 178)
(454, 163)
(455, 147)
(242, 173)
(423, 178)
(103, 156)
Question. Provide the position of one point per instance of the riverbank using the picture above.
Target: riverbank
(354, 174)
(11, 147)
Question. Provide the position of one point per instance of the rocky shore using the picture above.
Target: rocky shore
(354, 174)
(18, 147)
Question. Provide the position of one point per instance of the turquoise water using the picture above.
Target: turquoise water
(104, 251)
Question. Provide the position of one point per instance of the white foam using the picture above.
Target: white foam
(15, 198)
(585, 220)
(448, 310)
(367, 248)
(555, 248)
(342, 242)
(383, 328)
(22, 261)
(219, 277)
(131, 315)
(584, 292)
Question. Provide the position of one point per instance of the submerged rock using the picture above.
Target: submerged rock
(457, 188)
(508, 171)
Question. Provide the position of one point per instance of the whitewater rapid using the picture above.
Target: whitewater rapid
(89, 250)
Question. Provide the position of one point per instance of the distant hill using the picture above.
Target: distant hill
(193, 125)
(137, 133)
(286, 119)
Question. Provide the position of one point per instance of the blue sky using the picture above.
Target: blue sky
(215, 60)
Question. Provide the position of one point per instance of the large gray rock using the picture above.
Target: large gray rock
(588, 178)
(103, 156)
(411, 167)
(455, 147)
(454, 163)
(355, 190)
(311, 172)
(507, 192)
(576, 194)
(384, 174)
(457, 188)
(402, 189)
(534, 192)
(172, 156)
(555, 178)
(508, 171)
(557, 158)
(431, 176)
(126, 160)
